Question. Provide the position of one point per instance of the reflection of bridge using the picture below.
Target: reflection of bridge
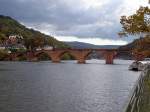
(79, 54)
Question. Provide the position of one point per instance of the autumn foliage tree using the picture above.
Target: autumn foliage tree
(138, 24)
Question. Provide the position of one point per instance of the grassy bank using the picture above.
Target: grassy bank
(140, 99)
(145, 97)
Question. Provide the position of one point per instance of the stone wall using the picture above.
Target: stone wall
(140, 98)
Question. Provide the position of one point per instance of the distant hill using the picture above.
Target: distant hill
(33, 38)
(82, 45)
(141, 45)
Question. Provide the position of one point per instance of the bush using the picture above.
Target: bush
(22, 58)
(67, 56)
(3, 54)
(43, 57)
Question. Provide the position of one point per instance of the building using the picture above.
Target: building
(2, 47)
(47, 47)
(13, 43)
(15, 39)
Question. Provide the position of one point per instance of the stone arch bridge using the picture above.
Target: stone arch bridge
(79, 54)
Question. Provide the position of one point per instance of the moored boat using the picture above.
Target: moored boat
(136, 66)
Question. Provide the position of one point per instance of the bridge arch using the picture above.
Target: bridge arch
(78, 54)
(43, 55)
(95, 52)
(67, 55)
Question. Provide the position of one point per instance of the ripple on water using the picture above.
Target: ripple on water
(65, 87)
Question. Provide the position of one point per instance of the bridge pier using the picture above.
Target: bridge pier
(109, 57)
(80, 55)
(55, 59)
(55, 56)
(81, 61)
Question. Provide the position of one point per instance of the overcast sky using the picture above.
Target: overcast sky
(91, 21)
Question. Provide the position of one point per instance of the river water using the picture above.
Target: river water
(65, 87)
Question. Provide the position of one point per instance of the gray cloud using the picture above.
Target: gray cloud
(67, 17)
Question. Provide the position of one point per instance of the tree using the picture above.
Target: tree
(136, 24)
(3, 54)
(2, 38)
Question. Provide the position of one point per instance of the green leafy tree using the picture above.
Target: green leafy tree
(2, 38)
(3, 54)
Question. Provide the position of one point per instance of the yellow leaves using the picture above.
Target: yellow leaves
(146, 53)
(136, 23)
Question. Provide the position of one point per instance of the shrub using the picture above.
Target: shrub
(67, 56)
(3, 54)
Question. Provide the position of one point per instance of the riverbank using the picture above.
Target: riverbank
(145, 97)
(140, 100)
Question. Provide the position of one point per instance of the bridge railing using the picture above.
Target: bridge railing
(135, 101)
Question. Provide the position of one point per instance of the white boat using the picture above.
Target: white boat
(147, 59)
(136, 66)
